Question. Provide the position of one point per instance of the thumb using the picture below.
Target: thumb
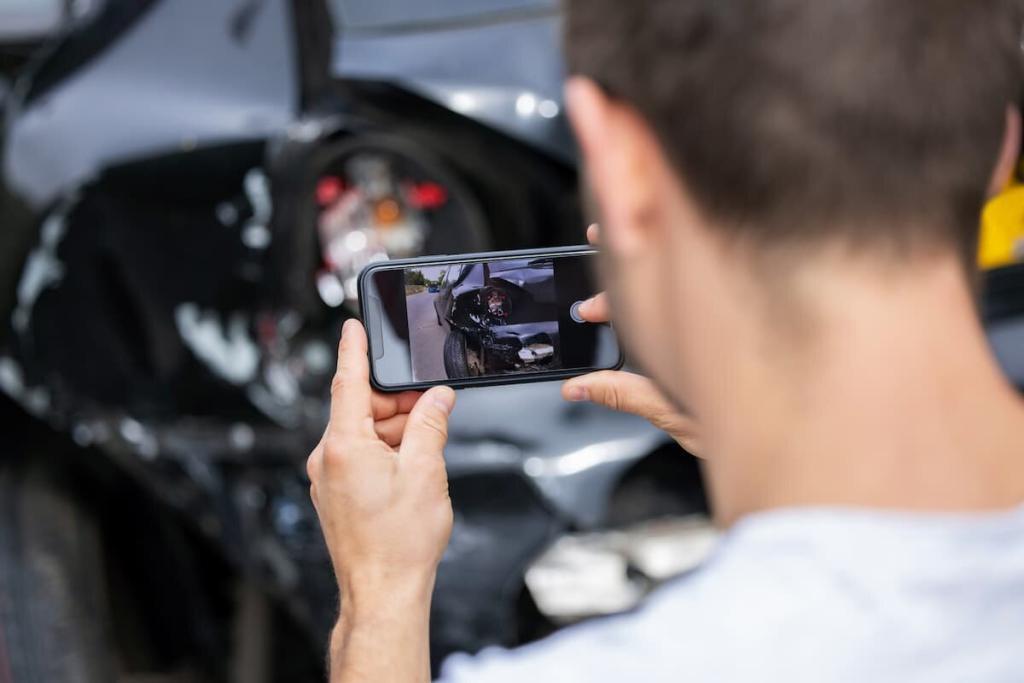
(426, 430)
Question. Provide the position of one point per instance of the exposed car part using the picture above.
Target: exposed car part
(536, 352)
(384, 197)
(601, 573)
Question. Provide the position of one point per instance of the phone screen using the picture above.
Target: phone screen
(487, 319)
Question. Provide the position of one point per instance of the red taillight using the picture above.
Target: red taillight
(328, 190)
(428, 196)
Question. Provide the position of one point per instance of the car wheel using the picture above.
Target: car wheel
(456, 359)
(54, 618)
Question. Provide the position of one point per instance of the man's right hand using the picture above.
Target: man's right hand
(629, 392)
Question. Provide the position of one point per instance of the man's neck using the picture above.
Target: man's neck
(896, 403)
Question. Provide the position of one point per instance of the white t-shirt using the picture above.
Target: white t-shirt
(816, 595)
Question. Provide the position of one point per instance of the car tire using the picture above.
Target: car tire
(456, 365)
(55, 623)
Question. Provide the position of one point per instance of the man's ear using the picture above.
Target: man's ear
(1009, 154)
(620, 157)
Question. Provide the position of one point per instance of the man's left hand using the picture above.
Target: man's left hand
(379, 484)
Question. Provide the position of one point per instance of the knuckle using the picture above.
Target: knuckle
(333, 451)
(612, 397)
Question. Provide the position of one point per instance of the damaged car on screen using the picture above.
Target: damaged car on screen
(501, 317)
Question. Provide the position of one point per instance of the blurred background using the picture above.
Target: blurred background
(188, 189)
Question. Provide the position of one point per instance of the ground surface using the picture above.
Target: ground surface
(427, 337)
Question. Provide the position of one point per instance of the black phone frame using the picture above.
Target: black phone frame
(472, 382)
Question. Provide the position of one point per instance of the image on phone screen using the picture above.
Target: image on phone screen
(495, 318)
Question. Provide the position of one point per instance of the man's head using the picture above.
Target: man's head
(733, 146)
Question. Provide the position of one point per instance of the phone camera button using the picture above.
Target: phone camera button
(574, 312)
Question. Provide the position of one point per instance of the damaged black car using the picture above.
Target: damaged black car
(502, 317)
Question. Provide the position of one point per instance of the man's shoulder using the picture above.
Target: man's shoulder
(691, 626)
(805, 596)
(750, 607)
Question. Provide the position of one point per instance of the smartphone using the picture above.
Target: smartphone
(483, 319)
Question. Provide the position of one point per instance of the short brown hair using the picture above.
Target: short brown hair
(878, 121)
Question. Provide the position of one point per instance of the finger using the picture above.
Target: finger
(426, 431)
(596, 309)
(636, 394)
(594, 234)
(390, 430)
(388, 405)
(623, 391)
(350, 390)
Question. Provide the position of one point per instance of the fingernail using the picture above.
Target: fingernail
(585, 306)
(579, 394)
(347, 325)
(444, 398)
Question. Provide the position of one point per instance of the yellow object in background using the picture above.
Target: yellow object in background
(1002, 230)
